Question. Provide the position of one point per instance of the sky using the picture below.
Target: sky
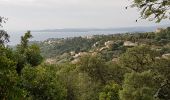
(57, 14)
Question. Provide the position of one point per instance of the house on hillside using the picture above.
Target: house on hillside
(50, 61)
(94, 53)
(114, 60)
(166, 56)
(96, 44)
(88, 37)
(129, 44)
(80, 54)
(108, 43)
(72, 53)
(75, 61)
(158, 30)
(103, 48)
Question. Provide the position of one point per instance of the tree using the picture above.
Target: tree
(162, 68)
(163, 92)
(42, 83)
(153, 9)
(168, 29)
(95, 67)
(24, 42)
(115, 73)
(138, 86)
(9, 79)
(79, 85)
(33, 56)
(110, 92)
(138, 59)
(86, 88)
(68, 78)
(27, 54)
(4, 37)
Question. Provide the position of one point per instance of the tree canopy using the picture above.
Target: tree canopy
(153, 9)
(4, 37)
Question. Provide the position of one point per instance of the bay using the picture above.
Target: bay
(42, 36)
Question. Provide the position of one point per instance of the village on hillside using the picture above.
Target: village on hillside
(109, 47)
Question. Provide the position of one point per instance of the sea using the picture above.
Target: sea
(42, 36)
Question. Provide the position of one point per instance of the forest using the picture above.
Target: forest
(129, 66)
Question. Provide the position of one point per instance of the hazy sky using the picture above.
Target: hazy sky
(50, 14)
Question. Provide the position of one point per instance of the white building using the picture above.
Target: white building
(108, 43)
(129, 44)
(158, 30)
(166, 56)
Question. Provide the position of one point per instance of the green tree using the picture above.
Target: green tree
(78, 84)
(110, 92)
(4, 37)
(9, 79)
(21, 52)
(86, 88)
(95, 67)
(27, 54)
(22, 47)
(67, 75)
(138, 59)
(139, 86)
(162, 69)
(115, 73)
(42, 83)
(33, 56)
(153, 9)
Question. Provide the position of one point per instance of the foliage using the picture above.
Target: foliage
(42, 83)
(115, 73)
(138, 86)
(33, 55)
(27, 54)
(110, 92)
(79, 85)
(138, 59)
(8, 77)
(24, 42)
(153, 9)
(60, 46)
(94, 67)
(163, 70)
(4, 37)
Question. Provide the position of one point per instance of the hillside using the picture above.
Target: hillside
(129, 66)
(109, 47)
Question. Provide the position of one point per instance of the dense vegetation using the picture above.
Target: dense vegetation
(106, 68)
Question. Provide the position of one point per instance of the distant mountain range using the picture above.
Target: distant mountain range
(122, 29)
